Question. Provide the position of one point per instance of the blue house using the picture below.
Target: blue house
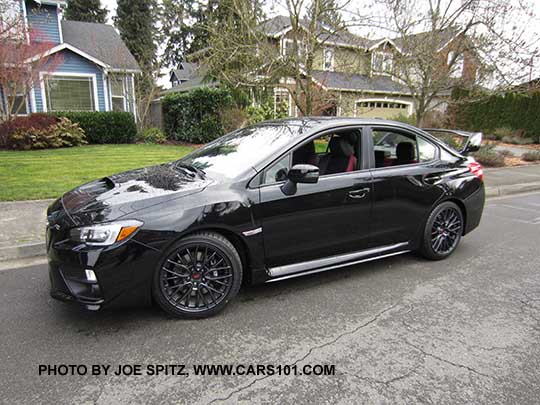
(95, 70)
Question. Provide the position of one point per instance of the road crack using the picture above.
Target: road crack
(310, 351)
(443, 360)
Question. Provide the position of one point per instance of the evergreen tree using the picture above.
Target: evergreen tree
(188, 26)
(176, 30)
(135, 21)
(326, 12)
(86, 10)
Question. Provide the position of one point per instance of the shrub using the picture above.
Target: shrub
(233, 118)
(505, 153)
(435, 119)
(499, 133)
(516, 140)
(151, 135)
(266, 111)
(61, 133)
(21, 124)
(103, 127)
(194, 116)
(69, 133)
(511, 110)
(407, 119)
(533, 156)
(488, 157)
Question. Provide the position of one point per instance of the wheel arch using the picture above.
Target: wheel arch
(237, 241)
(462, 208)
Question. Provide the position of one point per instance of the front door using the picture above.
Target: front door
(329, 218)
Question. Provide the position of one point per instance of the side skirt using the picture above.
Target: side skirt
(334, 262)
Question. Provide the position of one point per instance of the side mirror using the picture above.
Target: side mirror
(473, 143)
(307, 174)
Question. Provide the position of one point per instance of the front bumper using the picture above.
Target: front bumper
(117, 276)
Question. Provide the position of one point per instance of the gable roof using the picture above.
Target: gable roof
(279, 25)
(100, 41)
(186, 71)
(441, 38)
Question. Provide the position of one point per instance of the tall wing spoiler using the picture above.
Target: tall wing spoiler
(462, 141)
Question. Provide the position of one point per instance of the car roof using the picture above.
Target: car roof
(317, 124)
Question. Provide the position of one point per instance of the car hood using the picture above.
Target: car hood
(121, 194)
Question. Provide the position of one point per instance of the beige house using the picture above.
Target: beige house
(358, 72)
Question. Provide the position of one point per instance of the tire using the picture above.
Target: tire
(442, 232)
(197, 276)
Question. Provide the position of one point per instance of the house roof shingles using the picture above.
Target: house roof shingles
(187, 71)
(275, 26)
(100, 41)
(356, 82)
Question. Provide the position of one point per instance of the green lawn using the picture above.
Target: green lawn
(49, 173)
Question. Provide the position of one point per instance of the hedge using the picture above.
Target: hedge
(513, 110)
(103, 127)
(195, 116)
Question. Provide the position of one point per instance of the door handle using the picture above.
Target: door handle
(359, 193)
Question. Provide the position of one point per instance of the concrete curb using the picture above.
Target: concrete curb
(22, 251)
(38, 249)
(498, 191)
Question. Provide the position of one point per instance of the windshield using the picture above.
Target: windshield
(237, 152)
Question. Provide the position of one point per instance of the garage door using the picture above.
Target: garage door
(381, 109)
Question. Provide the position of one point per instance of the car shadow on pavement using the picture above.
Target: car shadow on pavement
(133, 317)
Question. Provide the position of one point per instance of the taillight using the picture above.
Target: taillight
(476, 169)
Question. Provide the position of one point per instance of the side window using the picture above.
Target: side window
(278, 171)
(332, 153)
(394, 148)
(426, 150)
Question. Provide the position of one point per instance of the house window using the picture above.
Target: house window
(288, 48)
(382, 62)
(16, 102)
(19, 105)
(118, 93)
(390, 108)
(455, 65)
(282, 101)
(328, 59)
(65, 93)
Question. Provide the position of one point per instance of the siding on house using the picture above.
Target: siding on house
(43, 22)
(75, 64)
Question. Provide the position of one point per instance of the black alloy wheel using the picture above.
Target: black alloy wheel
(443, 231)
(198, 276)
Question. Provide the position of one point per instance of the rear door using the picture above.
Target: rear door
(404, 190)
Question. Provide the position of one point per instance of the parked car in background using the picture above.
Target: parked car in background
(265, 203)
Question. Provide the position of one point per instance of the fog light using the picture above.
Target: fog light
(91, 276)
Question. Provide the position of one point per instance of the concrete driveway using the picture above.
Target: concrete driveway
(401, 330)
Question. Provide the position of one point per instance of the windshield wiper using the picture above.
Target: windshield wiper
(190, 168)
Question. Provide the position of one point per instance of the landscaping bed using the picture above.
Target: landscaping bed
(38, 174)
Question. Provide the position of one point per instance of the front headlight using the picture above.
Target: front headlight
(105, 234)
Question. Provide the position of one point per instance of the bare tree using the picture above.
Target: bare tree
(462, 43)
(23, 60)
(242, 55)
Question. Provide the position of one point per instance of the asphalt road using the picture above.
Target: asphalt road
(400, 330)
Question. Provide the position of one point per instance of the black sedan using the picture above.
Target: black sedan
(265, 203)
